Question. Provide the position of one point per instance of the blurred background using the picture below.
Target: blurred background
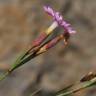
(21, 21)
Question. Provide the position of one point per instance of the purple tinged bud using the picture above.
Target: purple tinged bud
(39, 40)
(53, 42)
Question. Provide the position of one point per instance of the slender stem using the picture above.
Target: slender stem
(79, 87)
(36, 92)
(3, 76)
(26, 56)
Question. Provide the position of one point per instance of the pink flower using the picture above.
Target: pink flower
(59, 19)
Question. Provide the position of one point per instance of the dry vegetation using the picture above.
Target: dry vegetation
(21, 21)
